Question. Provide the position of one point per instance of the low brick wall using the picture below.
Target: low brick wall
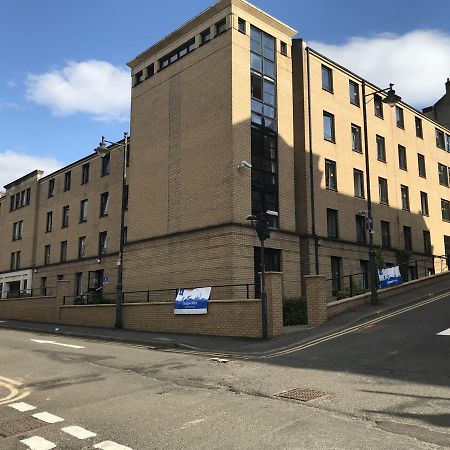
(224, 318)
(38, 309)
(102, 316)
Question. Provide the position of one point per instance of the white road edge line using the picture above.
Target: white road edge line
(39, 341)
(22, 407)
(47, 417)
(38, 443)
(78, 432)
(444, 333)
(109, 445)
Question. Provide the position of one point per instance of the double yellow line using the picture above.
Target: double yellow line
(15, 388)
(354, 328)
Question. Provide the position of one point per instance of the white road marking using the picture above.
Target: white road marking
(38, 443)
(109, 445)
(47, 417)
(78, 432)
(22, 407)
(56, 343)
(444, 333)
(193, 422)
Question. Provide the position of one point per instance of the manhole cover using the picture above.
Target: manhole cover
(303, 395)
(19, 426)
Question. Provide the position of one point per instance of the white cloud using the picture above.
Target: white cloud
(417, 62)
(93, 87)
(14, 165)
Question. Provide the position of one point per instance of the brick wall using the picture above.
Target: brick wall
(43, 309)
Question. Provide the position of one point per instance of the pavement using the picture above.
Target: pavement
(233, 346)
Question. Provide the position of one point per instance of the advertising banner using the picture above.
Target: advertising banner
(192, 301)
(390, 276)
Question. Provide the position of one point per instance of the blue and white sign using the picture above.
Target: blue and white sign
(105, 280)
(192, 301)
(390, 277)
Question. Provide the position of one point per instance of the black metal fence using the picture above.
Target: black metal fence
(218, 292)
(359, 283)
(30, 293)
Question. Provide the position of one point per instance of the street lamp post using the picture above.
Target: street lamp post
(391, 99)
(261, 224)
(102, 150)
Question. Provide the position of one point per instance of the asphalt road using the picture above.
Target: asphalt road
(387, 385)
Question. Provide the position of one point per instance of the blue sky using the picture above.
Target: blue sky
(51, 46)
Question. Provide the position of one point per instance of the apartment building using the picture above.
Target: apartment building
(230, 87)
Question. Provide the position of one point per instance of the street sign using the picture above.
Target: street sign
(105, 280)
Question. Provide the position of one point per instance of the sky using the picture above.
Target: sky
(64, 81)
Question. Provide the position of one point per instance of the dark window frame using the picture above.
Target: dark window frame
(85, 173)
(331, 175)
(330, 116)
(400, 117)
(354, 95)
(67, 181)
(421, 165)
(327, 79)
(378, 106)
(402, 157)
(383, 183)
(358, 183)
(332, 223)
(406, 206)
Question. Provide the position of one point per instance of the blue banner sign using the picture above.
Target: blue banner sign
(390, 277)
(192, 301)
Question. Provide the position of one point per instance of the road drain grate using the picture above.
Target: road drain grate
(302, 395)
(19, 426)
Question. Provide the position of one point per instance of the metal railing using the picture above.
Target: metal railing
(28, 293)
(354, 284)
(218, 292)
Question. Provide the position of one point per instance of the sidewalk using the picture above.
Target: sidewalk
(235, 347)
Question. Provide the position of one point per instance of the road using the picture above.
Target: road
(386, 385)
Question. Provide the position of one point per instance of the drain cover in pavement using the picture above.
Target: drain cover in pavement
(303, 395)
(19, 426)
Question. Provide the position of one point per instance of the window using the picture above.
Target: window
(20, 200)
(330, 175)
(65, 217)
(385, 234)
(85, 173)
(383, 190)
(242, 26)
(81, 247)
(49, 222)
(447, 140)
(125, 196)
(150, 70)
(106, 163)
(399, 117)
(358, 182)
(424, 204)
(440, 139)
(139, 77)
(328, 127)
(405, 197)
(63, 253)
(83, 210)
(447, 247)
(443, 175)
(47, 255)
(402, 161)
(407, 239)
(356, 138)
(427, 242)
(361, 235)
(125, 235)
(421, 165)
(177, 54)
(445, 207)
(221, 27)
(44, 286)
(335, 266)
(332, 223)
(104, 204)
(67, 181)
(381, 148)
(51, 187)
(378, 106)
(327, 79)
(102, 242)
(78, 283)
(15, 260)
(283, 48)
(419, 131)
(205, 36)
(17, 230)
(354, 93)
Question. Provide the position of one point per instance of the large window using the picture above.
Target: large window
(104, 204)
(383, 190)
(421, 165)
(378, 106)
(83, 210)
(402, 160)
(51, 187)
(65, 217)
(102, 243)
(328, 127)
(106, 164)
(405, 197)
(356, 138)
(85, 173)
(407, 238)
(49, 222)
(15, 261)
(419, 130)
(361, 235)
(399, 117)
(385, 234)
(81, 247)
(427, 242)
(20, 200)
(424, 204)
(332, 223)
(330, 175)
(381, 148)
(443, 175)
(47, 255)
(17, 230)
(358, 181)
(354, 93)
(327, 79)
(67, 180)
(440, 139)
(63, 253)
(445, 207)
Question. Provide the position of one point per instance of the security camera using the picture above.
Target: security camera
(244, 164)
(272, 213)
